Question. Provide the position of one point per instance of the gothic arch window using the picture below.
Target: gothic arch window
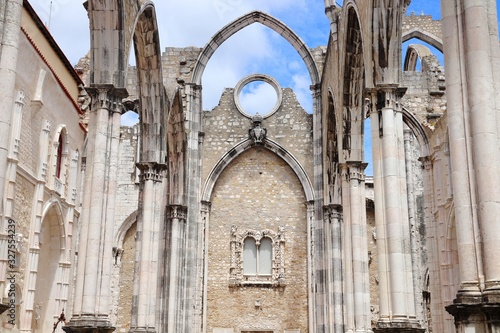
(59, 160)
(257, 257)
(59, 157)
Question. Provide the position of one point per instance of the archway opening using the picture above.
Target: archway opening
(46, 306)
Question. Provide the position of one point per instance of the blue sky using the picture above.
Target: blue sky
(256, 49)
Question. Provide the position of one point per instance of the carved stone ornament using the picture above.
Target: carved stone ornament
(257, 133)
(236, 276)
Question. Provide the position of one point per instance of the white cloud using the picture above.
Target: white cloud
(258, 97)
(255, 49)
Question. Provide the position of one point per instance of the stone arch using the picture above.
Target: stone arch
(418, 130)
(54, 204)
(415, 52)
(256, 16)
(176, 151)
(151, 91)
(50, 260)
(331, 152)
(353, 88)
(59, 158)
(424, 36)
(243, 146)
(124, 227)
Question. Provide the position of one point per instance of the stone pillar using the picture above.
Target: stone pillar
(397, 302)
(93, 285)
(479, 70)
(334, 266)
(9, 49)
(472, 60)
(347, 252)
(416, 260)
(176, 233)
(205, 220)
(356, 248)
(149, 220)
(361, 276)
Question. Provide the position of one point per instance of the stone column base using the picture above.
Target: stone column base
(407, 326)
(88, 325)
(142, 330)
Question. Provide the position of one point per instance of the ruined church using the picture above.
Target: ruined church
(227, 221)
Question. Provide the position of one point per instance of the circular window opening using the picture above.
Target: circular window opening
(257, 94)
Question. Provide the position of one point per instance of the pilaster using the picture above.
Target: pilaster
(9, 49)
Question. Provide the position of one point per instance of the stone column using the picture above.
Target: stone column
(10, 183)
(397, 303)
(9, 49)
(149, 220)
(356, 276)
(93, 285)
(361, 278)
(176, 232)
(474, 132)
(479, 70)
(416, 260)
(347, 252)
(334, 229)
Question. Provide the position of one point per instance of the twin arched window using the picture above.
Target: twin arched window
(257, 256)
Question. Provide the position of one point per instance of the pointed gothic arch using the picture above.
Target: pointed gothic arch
(424, 36)
(243, 146)
(413, 54)
(353, 85)
(253, 17)
(152, 96)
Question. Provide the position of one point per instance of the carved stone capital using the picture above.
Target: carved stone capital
(426, 162)
(332, 213)
(356, 170)
(106, 96)
(151, 171)
(176, 212)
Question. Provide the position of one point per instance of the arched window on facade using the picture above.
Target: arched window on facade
(257, 257)
(59, 157)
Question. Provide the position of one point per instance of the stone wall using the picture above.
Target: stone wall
(258, 191)
(423, 23)
(225, 126)
(126, 283)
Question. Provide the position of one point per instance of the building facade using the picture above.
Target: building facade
(226, 221)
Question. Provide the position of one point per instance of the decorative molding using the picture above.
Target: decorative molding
(257, 133)
(236, 276)
(106, 96)
(151, 171)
